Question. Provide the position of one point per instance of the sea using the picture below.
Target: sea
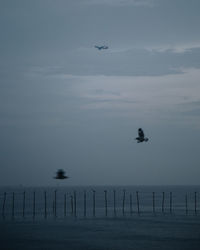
(100, 217)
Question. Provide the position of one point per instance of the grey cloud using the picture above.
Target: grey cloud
(103, 92)
(193, 112)
(145, 3)
(133, 62)
(189, 109)
(191, 104)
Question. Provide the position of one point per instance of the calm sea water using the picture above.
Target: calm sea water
(98, 201)
(114, 227)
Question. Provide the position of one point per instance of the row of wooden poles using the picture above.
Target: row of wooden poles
(73, 203)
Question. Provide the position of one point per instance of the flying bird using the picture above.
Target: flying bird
(101, 47)
(60, 174)
(141, 136)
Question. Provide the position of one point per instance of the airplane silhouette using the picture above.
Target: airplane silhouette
(101, 47)
(141, 137)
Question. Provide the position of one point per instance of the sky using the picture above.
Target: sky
(65, 104)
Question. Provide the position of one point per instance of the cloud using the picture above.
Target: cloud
(191, 109)
(179, 48)
(127, 62)
(167, 97)
(137, 3)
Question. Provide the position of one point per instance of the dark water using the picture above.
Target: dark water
(137, 233)
(153, 228)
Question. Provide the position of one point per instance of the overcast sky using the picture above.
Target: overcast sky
(65, 104)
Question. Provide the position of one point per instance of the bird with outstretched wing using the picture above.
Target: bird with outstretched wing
(141, 136)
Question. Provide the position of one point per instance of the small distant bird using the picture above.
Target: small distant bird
(141, 136)
(60, 174)
(101, 47)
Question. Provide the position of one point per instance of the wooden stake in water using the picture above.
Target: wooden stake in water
(72, 207)
(114, 201)
(131, 206)
(55, 203)
(45, 204)
(123, 202)
(85, 205)
(24, 199)
(138, 203)
(53, 206)
(75, 203)
(65, 204)
(170, 202)
(13, 205)
(4, 203)
(195, 202)
(186, 204)
(33, 204)
(163, 201)
(154, 202)
(106, 204)
(94, 201)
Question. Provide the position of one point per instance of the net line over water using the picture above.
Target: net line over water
(99, 201)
